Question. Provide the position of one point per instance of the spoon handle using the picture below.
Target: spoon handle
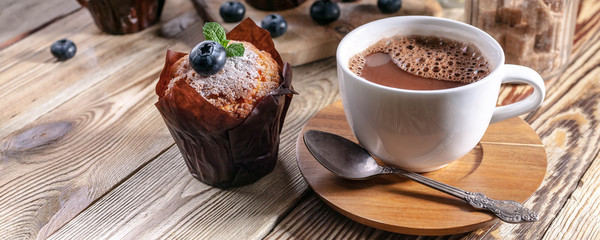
(508, 211)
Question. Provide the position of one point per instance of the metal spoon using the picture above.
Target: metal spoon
(349, 160)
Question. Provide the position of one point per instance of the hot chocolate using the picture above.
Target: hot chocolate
(420, 63)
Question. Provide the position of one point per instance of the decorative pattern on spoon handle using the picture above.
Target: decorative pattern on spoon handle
(389, 170)
(507, 210)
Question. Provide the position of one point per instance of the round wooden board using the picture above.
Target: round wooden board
(508, 164)
(306, 41)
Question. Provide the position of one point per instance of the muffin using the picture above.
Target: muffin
(124, 16)
(274, 5)
(241, 83)
(227, 125)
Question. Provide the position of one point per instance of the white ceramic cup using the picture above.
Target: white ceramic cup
(424, 130)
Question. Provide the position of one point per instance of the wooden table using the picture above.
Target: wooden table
(84, 154)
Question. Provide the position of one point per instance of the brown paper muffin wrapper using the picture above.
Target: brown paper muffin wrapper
(218, 149)
(124, 16)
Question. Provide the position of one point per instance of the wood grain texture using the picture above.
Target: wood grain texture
(306, 41)
(44, 83)
(568, 125)
(578, 218)
(313, 219)
(46, 183)
(508, 164)
(588, 20)
(172, 204)
(85, 147)
(19, 18)
(96, 124)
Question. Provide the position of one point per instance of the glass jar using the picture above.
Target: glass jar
(533, 33)
(452, 3)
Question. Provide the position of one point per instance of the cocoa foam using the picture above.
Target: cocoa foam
(429, 57)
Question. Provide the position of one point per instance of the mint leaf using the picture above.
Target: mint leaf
(235, 50)
(214, 32)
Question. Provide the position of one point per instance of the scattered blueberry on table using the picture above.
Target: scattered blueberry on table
(63, 49)
(275, 24)
(207, 58)
(324, 11)
(389, 6)
(232, 11)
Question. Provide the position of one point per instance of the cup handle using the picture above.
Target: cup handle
(521, 74)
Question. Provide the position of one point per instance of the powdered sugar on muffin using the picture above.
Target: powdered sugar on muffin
(239, 86)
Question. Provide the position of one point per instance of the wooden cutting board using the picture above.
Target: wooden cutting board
(508, 164)
(305, 41)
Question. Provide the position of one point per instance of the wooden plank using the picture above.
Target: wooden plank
(306, 41)
(172, 204)
(21, 18)
(319, 222)
(73, 155)
(97, 126)
(42, 83)
(578, 218)
(313, 219)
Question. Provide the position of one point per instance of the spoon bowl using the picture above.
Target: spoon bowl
(341, 156)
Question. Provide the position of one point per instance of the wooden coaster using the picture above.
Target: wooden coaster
(508, 164)
(306, 41)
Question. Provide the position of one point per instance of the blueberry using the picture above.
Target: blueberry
(275, 24)
(207, 58)
(232, 11)
(389, 6)
(324, 11)
(63, 49)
